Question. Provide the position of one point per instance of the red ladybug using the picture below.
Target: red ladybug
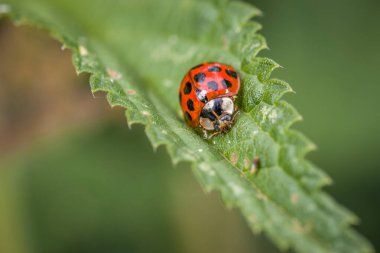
(207, 94)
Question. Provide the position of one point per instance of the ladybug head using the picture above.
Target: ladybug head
(217, 115)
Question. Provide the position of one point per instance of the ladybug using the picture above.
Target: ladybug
(207, 94)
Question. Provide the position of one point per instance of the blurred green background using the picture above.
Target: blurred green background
(74, 178)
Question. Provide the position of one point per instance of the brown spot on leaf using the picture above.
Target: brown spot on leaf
(294, 198)
(113, 74)
(261, 196)
(131, 92)
(300, 228)
(255, 165)
(234, 158)
(247, 163)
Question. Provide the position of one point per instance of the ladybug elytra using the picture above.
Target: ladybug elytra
(207, 94)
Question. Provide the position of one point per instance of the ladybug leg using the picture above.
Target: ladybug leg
(236, 113)
(216, 115)
(205, 134)
(212, 135)
(236, 107)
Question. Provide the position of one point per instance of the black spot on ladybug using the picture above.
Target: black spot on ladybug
(187, 88)
(212, 85)
(197, 66)
(190, 105)
(231, 73)
(180, 97)
(214, 69)
(188, 116)
(226, 84)
(200, 77)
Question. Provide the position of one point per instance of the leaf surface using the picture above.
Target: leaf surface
(138, 51)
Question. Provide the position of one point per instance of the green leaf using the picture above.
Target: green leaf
(138, 52)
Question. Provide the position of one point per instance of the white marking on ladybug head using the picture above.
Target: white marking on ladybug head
(201, 95)
(208, 105)
(227, 105)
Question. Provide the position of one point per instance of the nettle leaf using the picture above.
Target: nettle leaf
(138, 51)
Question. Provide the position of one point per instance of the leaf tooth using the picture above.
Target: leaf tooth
(99, 82)
(246, 44)
(134, 116)
(84, 63)
(115, 99)
(301, 144)
(312, 219)
(155, 135)
(234, 15)
(356, 241)
(207, 179)
(310, 176)
(158, 134)
(243, 11)
(180, 154)
(262, 67)
(290, 113)
(234, 193)
(339, 213)
(275, 89)
(294, 147)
